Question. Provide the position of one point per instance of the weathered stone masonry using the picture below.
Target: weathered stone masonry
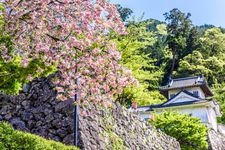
(36, 110)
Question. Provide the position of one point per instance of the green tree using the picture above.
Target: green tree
(203, 28)
(196, 64)
(190, 133)
(143, 68)
(158, 49)
(13, 75)
(193, 41)
(178, 29)
(125, 13)
(207, 59)
(219, 90)
(212, 43)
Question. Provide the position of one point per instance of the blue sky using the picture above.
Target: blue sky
(202, 11)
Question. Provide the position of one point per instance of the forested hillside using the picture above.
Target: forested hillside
(155, 51)
(93, 54)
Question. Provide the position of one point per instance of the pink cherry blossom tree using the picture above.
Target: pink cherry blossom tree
(71, 34)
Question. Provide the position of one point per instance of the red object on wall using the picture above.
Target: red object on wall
(152, 117)
(134, 105)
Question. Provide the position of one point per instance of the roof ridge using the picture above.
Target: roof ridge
(184, 91)
(179, 104)
(191, 94)
(185, 78)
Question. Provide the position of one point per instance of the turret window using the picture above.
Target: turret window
(172, 95)
(195, 93)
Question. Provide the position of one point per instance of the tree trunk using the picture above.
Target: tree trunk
(173, 62)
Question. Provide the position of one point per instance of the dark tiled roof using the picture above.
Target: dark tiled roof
(184, 82)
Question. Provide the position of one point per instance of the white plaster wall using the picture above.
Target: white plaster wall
(206, 115)
(144, 116)
(212, 118)
(198, 112)
(201, 93)
(182, 97)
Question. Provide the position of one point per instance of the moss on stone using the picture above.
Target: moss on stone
(114, 141)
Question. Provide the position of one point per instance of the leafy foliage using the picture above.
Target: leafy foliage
(70, 34)
(143, 68)
(207, 59)
(124, 12)
(11, 139)
(219, 90)
(189, 132)
(12, 73)
(178, 29)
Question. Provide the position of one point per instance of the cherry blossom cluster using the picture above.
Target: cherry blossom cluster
(71, 34)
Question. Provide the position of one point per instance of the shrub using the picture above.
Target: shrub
(14, 75)
(189, 131)
(11, 139)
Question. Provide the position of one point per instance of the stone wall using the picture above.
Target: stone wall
(117, 126)
(36, 110)
(216, 140)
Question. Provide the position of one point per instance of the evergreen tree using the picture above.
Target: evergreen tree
(178, 29)
(190, 133)
(207, 59)
(125, 13)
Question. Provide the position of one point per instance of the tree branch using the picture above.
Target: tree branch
(58, 39)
